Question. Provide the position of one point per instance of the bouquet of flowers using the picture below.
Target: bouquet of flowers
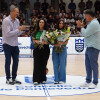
(37, 45)
(63, 34)
(51, 37)
(58, 35)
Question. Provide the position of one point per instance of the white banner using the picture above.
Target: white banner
(75, 45)
(23, 43)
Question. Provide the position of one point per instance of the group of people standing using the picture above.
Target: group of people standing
(41, 56)
(11, 30)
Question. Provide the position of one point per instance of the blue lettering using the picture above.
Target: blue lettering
(19, 88)
(1, 89)
(77, 88)
(8, 89)
(0, 41)
(27, 47)
(59, 85)
(28, 87)
(38, 89)
(59, 88)
(51, 88)
(67, 88)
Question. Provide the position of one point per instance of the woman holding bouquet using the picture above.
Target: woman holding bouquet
(41, 53)
(59, 58)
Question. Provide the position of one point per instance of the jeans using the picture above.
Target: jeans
(9, 52)
(59, 64)
(91, 63)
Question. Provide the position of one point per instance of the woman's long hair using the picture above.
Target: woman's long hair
(45, 25)
(58, 24)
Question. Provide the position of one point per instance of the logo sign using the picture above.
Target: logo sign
(1, 48)
(79, 45)
(71, 87)
(75, 46)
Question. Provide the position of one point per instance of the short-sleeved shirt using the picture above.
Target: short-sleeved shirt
(37, 35)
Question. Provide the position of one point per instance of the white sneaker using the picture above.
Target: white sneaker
(36, 83)
(85, 84)
(92, 86)
(60, 82)
(56, 82)
(43, 82)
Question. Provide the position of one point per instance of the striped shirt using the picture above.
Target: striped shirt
(10, 31)
(92, 34)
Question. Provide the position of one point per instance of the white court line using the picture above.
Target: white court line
(48, 98)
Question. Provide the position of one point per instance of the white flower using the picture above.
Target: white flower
(47, 32)
(56, 33)
(51, 33)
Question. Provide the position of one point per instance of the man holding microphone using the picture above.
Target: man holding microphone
(92, 42)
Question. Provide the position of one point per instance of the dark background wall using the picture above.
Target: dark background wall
(49, 1)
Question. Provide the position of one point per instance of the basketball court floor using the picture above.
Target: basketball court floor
(75, 75)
